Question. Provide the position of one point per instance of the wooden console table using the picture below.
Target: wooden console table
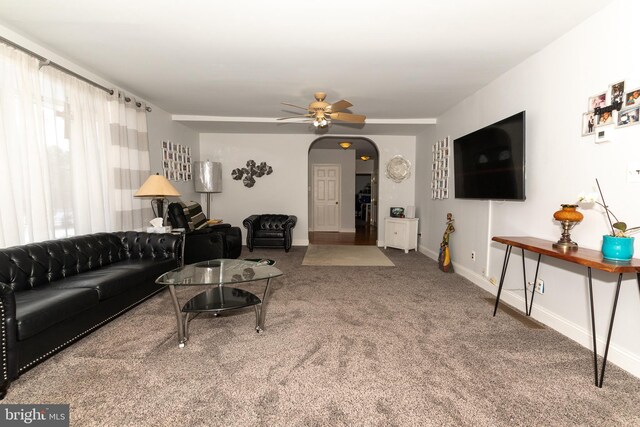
(587, 257)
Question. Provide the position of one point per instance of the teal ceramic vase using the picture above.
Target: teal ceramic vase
(617, 248)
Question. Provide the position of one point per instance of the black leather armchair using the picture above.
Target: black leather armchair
(270, 230)
(208, 241)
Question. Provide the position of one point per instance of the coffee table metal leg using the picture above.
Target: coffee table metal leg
(176, 307)
(263, 307)
(258, 330)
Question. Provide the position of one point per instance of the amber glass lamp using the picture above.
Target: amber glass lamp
(568, 217)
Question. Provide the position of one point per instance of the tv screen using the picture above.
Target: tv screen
(489, 163)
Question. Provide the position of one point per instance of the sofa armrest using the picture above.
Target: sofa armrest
(290, 222)
(218, 227)
(203, 246)
(213, 228)
(251, 223)
(8, 332)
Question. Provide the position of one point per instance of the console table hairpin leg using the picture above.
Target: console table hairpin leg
(599, 379)
(528, 306)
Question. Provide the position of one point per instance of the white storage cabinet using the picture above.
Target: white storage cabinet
(401, 233)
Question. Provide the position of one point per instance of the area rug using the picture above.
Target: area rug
(342, 255)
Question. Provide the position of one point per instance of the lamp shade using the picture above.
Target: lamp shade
(208, 177)
(157, 186)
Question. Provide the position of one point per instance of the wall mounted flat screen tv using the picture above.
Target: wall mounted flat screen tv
(489, 163)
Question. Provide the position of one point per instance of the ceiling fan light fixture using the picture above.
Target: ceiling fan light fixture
(320, 122)
(344, 144)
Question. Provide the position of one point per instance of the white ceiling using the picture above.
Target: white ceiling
(240, 59)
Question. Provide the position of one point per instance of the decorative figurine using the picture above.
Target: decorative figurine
(444, 257)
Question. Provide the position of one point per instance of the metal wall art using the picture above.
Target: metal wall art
(440, 169)
(398, 169)
(249, 174)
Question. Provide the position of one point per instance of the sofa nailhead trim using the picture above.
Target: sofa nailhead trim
(5, 364)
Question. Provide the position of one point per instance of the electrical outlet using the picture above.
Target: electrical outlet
(473, 256)
(493, 281)
(539, 286)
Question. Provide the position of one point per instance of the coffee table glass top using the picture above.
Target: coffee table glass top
(218, 271)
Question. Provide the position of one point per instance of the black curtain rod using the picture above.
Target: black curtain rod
(46, 62)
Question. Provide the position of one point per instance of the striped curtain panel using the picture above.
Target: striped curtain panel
(129, 162)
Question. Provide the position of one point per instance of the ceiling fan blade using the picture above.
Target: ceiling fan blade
(306, 116)
(297, 106)
(340, 105)
(346, 117)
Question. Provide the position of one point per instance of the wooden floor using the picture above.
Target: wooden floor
(364, 235)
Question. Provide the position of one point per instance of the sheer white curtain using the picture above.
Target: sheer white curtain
(60, 165)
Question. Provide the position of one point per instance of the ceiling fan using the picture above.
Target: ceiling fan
(321, 112)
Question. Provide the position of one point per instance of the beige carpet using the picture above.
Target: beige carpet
(350, 256)
(342, 346)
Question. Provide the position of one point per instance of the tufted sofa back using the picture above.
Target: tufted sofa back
(272, 222)
(37, 264)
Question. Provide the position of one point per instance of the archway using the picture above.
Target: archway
(348, 213)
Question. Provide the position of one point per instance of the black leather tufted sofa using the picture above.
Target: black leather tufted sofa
(210, 242)
(270, 230)
(53, 293)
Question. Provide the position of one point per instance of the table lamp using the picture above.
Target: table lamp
(157, 187)
(208, 179)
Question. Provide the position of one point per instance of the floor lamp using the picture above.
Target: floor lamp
(157, 187)
(208, 179)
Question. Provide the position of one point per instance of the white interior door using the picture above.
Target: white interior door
(326, 197)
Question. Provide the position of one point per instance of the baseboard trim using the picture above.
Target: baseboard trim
(300, 242)
(618, 356)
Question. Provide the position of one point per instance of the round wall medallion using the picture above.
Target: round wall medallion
(398, 169)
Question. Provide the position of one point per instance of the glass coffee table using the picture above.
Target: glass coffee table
(221, 274)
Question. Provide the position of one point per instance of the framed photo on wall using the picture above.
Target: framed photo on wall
(589, 121)
(632, 98)
(628, 117)
(616, 93)
(605, 119)
(597, 101)
(176, 162)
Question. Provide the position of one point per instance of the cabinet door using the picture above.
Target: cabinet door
(394, 234)
(400, 235)
(388, 233)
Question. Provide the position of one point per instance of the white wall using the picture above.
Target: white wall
(553, 87)
(286, 190)
(347, 161)
(424, 206)
(365, 167)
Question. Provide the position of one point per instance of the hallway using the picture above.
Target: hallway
(365, 235)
